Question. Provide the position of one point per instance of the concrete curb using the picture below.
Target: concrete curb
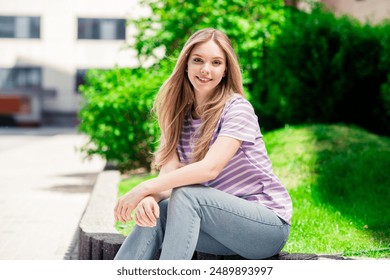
(98, 238)
(281, 256)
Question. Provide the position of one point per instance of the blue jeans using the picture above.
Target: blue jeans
(203, 219)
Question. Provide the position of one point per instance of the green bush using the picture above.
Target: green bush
(116, 114)
(326, 69)
(385, 65)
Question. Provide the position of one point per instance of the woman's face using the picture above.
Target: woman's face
(206, 68)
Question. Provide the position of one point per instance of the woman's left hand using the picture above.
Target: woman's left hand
(127, 203)
(147, 212)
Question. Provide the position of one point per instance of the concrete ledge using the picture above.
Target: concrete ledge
(280, 256)
(99, 240)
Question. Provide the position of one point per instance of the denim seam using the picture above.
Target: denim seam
(189, 237)
(147, 245)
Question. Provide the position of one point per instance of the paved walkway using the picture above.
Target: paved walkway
(44, 188)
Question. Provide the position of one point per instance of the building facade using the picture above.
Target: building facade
(373, 11)
(46, 47)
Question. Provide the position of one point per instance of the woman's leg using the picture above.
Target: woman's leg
(144, 242)
(211, 221)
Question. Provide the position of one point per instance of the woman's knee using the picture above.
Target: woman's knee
(187, 192)
(187, 196)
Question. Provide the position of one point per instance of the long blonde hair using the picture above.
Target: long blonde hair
(176, 98)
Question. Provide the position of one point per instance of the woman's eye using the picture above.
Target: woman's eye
(217, 62)
(197, 60)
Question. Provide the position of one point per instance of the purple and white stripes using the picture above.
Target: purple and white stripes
(249, 173)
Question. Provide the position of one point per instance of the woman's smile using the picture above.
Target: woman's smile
(203, 79)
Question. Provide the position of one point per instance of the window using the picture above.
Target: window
(20, 27)
(80, 78)
(101, 29)
(20, 77)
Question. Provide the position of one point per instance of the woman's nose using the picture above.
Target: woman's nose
(205, 69)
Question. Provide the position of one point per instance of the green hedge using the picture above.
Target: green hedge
(327, 69)
(116, 114)
(385, 64)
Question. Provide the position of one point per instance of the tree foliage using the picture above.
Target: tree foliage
(327, 69)
(116, 115)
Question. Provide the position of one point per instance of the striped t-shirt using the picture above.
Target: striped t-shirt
(248, 174)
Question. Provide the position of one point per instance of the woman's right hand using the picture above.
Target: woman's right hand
(147, 212)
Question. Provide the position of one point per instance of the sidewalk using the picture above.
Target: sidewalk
(45, 186)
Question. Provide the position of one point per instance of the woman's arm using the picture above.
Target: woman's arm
(205, 170)
(172, 164)
(219, 154)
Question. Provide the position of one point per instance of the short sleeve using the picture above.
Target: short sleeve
(239, 121)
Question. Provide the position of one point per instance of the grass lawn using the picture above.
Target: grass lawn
(338, 178)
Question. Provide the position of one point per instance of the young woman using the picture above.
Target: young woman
(216, 192)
